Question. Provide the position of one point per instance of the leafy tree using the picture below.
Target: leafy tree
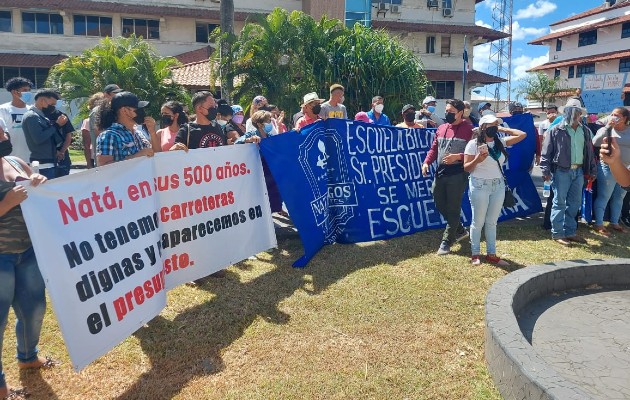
(286, 55)
(539, 87)
(131, 63)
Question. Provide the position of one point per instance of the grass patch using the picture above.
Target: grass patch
(384, 320)
(76, 156)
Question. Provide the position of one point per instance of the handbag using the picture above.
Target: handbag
(508, 200)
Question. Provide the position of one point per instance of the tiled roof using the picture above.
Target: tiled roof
(116, 7)
(194, 75)
(592, 11)
(613, 55)
(584, 28)
(29, 60)
(192, 56)
(472, 76)
(486, 33)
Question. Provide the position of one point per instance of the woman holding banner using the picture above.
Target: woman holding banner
(21, 284)
(483, 159)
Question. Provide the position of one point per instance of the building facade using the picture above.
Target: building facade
(595, 41)
(36, 34)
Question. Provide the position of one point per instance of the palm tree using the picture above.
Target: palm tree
(130, 62)
(227, 29)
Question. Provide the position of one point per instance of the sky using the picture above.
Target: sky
(530, 20)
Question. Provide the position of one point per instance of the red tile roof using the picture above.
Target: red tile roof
(201, 12)
(472, 76)
(585, 28)
(192, 56)
(613, 55)
(29, 60)
(592, 11)
(194, 75)
(485, 33)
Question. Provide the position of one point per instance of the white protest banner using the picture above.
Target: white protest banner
(213, 210)
(96, 243)
(603, 92)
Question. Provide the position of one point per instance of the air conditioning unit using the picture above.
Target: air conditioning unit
(432, 3)
(383, 6)
(395, 9)
(447, 12)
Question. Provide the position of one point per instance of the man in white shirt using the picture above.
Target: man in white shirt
(12, 112)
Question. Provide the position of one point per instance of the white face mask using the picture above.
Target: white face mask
(379, 108)
(221, 122)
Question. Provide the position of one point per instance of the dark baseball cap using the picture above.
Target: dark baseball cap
(112, 88)
(127, 99)
(407, 107)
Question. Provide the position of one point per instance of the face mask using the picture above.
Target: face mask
(26, 97)
(431, 109)
(212, 113)
(409, 117)
(379, 108)
(467, 113)
(238, 119)
(5, 148)
(449, 118)
(139, 118)
(268, 127)
(517, 112)
(49, 109)
(317, 108)
(492, 131)
(221, 122)
(167, 120)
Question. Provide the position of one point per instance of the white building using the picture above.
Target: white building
(591, 42)
(36, 34)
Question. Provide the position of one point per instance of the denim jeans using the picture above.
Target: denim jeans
(607, 189)
(567, 187)
(448, 192)
(486, 201)
(22, 286)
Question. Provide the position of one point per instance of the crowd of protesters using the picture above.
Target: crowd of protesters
(469, 151)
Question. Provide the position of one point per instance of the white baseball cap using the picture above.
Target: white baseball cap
(490, 119)
(428, 99)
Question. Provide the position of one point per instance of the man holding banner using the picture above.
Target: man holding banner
(450, 178)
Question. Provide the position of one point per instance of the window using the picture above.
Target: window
(556, 73)
(559, 45)
(5, 21)
(446, 46)
(585, 69)
(624, 65)
(37, 75)
(204, 30)
(587, 38)
(431, 44)
(444, 89)
(92, 25)
(625, 30)
(571, 71)
(447, 4)
(51, 24)
(147, 28)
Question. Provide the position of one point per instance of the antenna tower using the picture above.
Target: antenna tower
(501, 50)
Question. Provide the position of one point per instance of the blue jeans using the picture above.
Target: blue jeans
(22, 286)
(567, 188)
(486, 201)
(607, 189)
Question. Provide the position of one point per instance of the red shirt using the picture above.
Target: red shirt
(304, 121)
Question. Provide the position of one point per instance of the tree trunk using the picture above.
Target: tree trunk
(227, 27)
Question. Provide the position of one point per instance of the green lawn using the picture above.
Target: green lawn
(385, 320)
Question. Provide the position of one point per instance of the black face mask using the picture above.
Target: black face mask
(409, 117)
(517, 112)
(167, 120)
(449, 118)
(139, 118)
(212, 113)
(5, 148)
(48, 109)
(317, 108)
(492, 131)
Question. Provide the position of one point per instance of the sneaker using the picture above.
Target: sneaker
(563, 241)
(461, 235)
(445, 248)
(493, 259)
(475, 260)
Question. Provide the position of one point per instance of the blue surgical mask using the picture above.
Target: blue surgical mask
(431, 109)
(26, 97)
(268, 127)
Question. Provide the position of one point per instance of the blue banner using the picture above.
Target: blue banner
(348, 181)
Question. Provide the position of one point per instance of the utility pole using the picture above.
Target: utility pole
(501, 50)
